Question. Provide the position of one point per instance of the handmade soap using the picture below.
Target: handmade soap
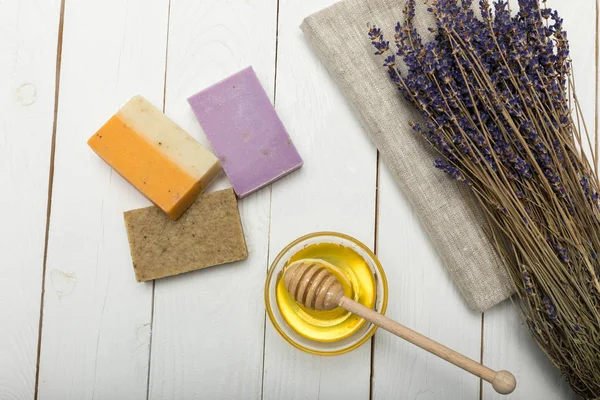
(245, 132)
(156, 156)
(209, 233)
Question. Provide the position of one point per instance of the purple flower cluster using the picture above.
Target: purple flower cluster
(550, 310)
(559, 248)
(492, 90)
(529, 286)
(493, 87)
(481, 76)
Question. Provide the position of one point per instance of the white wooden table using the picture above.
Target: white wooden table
(74, 324)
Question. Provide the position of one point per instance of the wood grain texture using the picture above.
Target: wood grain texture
(334, 190)
(422, 297)
(96, 325)
(28, 45)
(209, 325)
(502, 381)
(96, 332)
(508, 343)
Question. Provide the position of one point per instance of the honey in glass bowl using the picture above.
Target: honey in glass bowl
(359, 285)
(336, 331)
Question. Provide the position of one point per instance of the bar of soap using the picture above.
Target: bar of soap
(156, 156)
(245, 132)
(208, 234)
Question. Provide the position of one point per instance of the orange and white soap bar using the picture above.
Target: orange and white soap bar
(156, 156)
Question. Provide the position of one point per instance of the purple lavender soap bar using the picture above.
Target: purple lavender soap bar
(245, 132)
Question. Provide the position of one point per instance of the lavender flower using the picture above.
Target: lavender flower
(492, 91)
(478, 80)
(550, 310)
(529, 287)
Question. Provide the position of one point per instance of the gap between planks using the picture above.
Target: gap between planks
(59, 46)
(262, 383)
(164, 102)
(481, 355)
(375, 238)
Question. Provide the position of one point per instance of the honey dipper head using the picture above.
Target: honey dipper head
(311, 284)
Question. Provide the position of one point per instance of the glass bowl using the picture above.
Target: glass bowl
(358, 336)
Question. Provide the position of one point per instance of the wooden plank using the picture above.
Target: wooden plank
(335, 190)
(209, 325)
(424, 298)
(96, 326)
(507, 344)
(28, 44)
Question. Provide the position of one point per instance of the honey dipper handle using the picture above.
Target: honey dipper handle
(503, 381)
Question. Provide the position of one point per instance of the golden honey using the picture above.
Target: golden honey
(358, 282)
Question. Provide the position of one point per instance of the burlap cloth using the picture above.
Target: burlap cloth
(449, 213)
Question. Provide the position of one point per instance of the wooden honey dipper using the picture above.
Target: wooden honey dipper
(311, 283)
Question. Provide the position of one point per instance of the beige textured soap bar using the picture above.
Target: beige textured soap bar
(209, 233)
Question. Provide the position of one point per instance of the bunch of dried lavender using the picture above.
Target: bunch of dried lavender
(495, 91)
